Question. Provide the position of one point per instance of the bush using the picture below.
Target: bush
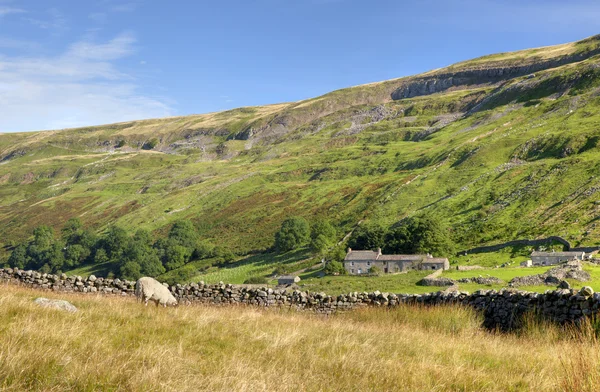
(120, 143)
(256, 280)
(150, 144)
(334, 268)
(293, 234)
(375, 271)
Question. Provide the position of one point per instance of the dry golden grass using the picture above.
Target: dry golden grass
(117, 344)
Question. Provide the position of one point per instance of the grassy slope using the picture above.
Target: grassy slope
(116, 344)
(523, 165)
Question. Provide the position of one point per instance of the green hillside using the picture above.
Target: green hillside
(500, 148)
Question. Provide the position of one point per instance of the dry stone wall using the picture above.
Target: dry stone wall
(501, 309)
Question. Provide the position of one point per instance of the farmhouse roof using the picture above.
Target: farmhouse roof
(560, 254)
(435, 260)
(401, 257)
(354, 255)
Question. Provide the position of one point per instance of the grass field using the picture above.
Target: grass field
(116, 344)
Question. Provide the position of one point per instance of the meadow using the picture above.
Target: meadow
(116, 344)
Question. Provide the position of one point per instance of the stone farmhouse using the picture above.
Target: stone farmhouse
(358, 262)
(552, 258)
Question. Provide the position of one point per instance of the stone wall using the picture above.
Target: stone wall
(501, 309)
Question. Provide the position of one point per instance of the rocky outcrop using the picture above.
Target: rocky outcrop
(485, 280)
(554, 276)
(481, 76)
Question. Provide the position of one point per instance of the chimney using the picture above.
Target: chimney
(349, 250)
(379, 251)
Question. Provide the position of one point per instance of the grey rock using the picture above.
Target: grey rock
(55, 304)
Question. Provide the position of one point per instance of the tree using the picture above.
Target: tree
(18, 257)
(224, 254)
(184, 233)
(71, 230)
(114, 241)
(175, 256)
(369, 236)
(322, 235)
(204, 250)
(76, 254)
(320, 244)
(100, 256)
(130, 271)
(334, 268)
(139, 250)
(293, 234)
(424, 234)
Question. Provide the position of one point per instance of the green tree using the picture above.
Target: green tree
(369, 236)
(334, 268)
(139, 250)
(320, 244)
(322, 236)
(18, 257)
(75, 255)
(100, 256)
(184, 233)
(130, 271)
(424, 234)
(71, 230)
(293, 234)
(114, 242)
(175, 256)
(204, 250)
(224, 254)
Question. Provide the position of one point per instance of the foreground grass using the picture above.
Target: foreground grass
(116, 344)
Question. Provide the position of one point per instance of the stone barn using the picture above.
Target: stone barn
(553, 258)
(288, 279)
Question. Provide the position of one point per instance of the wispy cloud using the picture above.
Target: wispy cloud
(81, 86)
(10, 10)
(125, 7)
(118, 47)
(11, 43)
(55, 21)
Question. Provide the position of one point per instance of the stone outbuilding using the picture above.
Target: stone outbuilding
(360, 262)
(553, 258)
(288, 279)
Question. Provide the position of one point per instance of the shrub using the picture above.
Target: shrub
(374, 271)
(150, 144)
(256, 280)
(334, 268)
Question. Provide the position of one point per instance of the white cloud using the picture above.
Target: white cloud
(99, 17)
(56, 21)
(125, 7)
(10, 10)
(82, 86)
(118, 47)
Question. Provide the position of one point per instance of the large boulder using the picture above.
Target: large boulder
(56, 304)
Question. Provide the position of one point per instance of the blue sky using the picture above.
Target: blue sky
(76, 63)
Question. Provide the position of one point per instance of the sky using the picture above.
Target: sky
(69, 63)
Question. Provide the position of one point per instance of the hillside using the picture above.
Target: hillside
(501, 147)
